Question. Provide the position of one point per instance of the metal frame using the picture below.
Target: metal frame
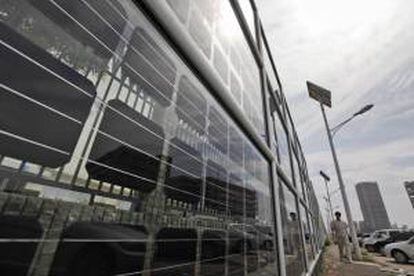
(169, 26)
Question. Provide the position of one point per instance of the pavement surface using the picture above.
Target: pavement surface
(334, 267)
(388, 264)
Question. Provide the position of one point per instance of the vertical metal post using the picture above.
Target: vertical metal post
(342, 188)
(329, 199)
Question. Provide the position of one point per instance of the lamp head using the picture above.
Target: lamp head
(364, 109)
(325, 176)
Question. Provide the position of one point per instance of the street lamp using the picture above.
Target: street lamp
(363, 110)
(323, 96)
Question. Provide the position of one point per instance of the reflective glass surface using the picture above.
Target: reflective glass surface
(214, 27)
(297, 174)
(306, 233)
(292, 237)
(114, 158)
(282, 145)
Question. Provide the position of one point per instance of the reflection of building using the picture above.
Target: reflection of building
(409, 186)
(372, 206)
(143, 126)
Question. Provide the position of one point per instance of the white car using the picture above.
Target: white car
(372, 243)
(402, 252)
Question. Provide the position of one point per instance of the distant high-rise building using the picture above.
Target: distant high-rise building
(372, 206)
(409, 186)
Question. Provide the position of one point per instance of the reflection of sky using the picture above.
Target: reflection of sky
(362, 52)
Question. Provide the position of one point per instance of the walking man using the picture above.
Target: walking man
(340, 235)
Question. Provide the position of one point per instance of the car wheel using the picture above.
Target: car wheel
(400, 257)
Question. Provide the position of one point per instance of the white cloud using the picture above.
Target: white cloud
(362, 52)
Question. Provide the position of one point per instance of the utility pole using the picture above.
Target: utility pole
(323, 96)
(343, 191)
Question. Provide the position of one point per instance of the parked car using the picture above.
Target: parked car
(256, 237)
(403, 236)
(372, 244)
(402, 252)
(362, 237)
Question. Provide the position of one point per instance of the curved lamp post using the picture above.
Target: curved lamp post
(323, 96)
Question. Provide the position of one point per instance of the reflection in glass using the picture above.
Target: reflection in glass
(213, 251)
(22, 103)
(123, 153)
(183, 182)
(100, 249)
(115, 158)
(307, 233)
(175, 252)
(292, 238)
(297, 174)
(214, 27)
(216, 187)
(282, 144)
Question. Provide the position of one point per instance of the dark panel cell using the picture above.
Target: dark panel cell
(192, 106)
(31, 120)
(181, 8)
(213, 251)
(121, 250)
(185, 184)
(175, 252)
(236, 147)
(249, 160)
(88, 19)
(251, 201)
(252, 258)
(200, 32)
(220, 63)
(150, 67)
(236, 196)
(126, 160)
(216, 187)
(15, 257)
(237, 250)
(217, 130)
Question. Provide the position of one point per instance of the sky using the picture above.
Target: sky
(362, 51)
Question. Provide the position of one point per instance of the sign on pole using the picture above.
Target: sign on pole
(320, 94)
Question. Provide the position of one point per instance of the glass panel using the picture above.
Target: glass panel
(214, 27)
(175, 252)
(306, 232)
(213, 253)
(282, 144)
(297, 174)
(114, 158)
(312, 236)
(291, 233)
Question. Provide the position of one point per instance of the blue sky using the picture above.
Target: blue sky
(363, 51)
